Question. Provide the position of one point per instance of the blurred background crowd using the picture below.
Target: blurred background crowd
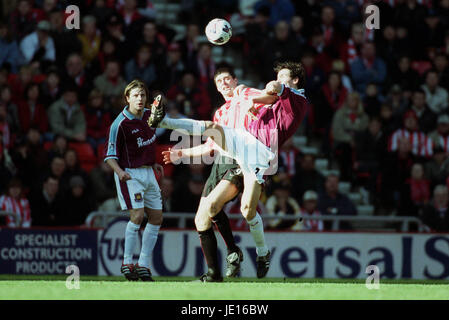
(375, 140)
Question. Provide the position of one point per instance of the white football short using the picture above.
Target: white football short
(252, 155)
(142, 190)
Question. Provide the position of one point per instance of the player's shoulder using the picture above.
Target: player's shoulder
(118, 120)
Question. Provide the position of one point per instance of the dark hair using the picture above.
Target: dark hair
(224, 69)
(296, 71)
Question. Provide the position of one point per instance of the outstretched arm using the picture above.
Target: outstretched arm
(173, 155)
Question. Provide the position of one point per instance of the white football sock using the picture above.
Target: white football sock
(256, 229)
(130, 241)
(149, 239)
(193, 127)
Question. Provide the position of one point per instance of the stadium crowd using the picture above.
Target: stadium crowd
(378, 102)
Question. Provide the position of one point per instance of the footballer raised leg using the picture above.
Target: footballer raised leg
(157, 112)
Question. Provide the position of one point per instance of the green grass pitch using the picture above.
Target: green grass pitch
(176, 288)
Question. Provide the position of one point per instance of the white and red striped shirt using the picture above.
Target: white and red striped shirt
(421, 144)
(230, 114)
(312, 225)
(20, 207)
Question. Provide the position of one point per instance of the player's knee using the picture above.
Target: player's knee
(155, 219)
(247, 212)
(136, 217)
(213, 207)
(202, 222)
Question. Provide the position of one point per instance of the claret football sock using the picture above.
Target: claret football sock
(193, 127)
(149, 239)
(209, 245)
(256, 229)
(222, 222)
(130, 241)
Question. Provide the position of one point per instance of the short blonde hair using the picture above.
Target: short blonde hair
(136, 83)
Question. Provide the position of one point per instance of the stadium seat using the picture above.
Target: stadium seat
(299, 141)
(365, 210)
(321, 164)
(356, 198)
(344, 187)
(86, 155)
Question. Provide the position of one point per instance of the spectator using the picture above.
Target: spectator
(290, 157)
(281, 204)
(436, 96)
(398, 103)
(19, 82)
(192, 99)
(389, 123)
(9, 49)
(15, 202)
(24, 18)
(4, 128)
(77, 204)
(11, 109)
(111, 83)
(90, 39)
(332, 202)
(415, 193)
(189, 44)
(51, 87)
(309, 209)
(155, 40)
(351, 49)
(279, 10)
(203, 66)
(102, 178)
(73, 168)
(130, 15)
(115, 32)
(66, 117)
(368, 68)
(403, 75)
(7, 168)
(142, 67)
(330, 29)
(38, 47)
(297, 30)
(31, 111)
(370, 146)
(421, 145)
(66, 41)
(436, 214)
(437, 169)
(58, 147)
(315, 76)
(441, 64)
(29, 158)
(426, 118)
(282, 46)
(46, 202)
(440, 136)
(348, 120)
(98, 120)
(333, 95)
(77, 75)
(173, 67)
(307, 177)
(372, 100)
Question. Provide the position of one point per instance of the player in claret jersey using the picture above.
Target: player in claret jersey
(270, 118)
(131, 154)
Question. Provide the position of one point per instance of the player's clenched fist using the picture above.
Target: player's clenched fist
(124, 176)
(273, 87)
